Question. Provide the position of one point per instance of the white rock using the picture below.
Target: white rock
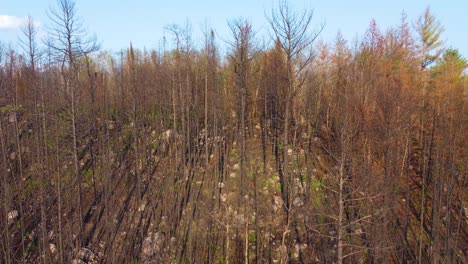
(53, 249)
(240, 219)
(12, 216)
(223, 197)
(12, 117)
(278, 203)
(51, 235)
(152, 245)
(168, 135)
(298, 202)
(296, 251)
(142, 207)
(86, 255)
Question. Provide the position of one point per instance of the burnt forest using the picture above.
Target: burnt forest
(241, 148)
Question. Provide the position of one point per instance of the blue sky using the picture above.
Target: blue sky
(142, 22)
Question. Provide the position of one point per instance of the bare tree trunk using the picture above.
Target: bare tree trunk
(206, 121)
(6, 197)
(59, 198)
(77, 168)
(20, 167)
(341, 206)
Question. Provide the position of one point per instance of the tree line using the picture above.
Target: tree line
(298, 152)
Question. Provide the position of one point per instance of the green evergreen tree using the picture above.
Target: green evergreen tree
(430, 29)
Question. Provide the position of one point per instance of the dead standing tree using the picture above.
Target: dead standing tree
(242, 54)
(32, 53)
(70, 43)
(295, 36)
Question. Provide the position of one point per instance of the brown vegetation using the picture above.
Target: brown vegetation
(298, 153)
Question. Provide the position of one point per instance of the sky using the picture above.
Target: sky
(143, 22)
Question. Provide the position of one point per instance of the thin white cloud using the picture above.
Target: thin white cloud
(14, 22)
(10, 22)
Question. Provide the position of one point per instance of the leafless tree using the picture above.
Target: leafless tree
(70, 43)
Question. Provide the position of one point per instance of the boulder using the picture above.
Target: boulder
(12, 216)
(298, 202)
(12, 116)
(151, 248)
(52, 249)
(86, 255)
(168, 136)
